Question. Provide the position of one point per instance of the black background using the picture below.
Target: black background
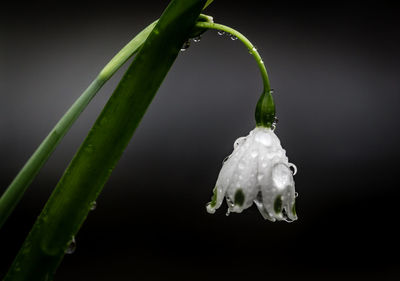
(335, 70)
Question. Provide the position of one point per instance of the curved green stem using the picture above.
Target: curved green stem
(18, 186)
(247, 43)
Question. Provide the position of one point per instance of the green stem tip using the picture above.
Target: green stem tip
(265, 109)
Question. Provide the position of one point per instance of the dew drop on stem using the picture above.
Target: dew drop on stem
(252, 50)
(233, 37)
(220, 32)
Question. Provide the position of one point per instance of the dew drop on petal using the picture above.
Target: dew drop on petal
(260, 177)
(281, 176)
(293, 168)
(230, 203)
(225, 159)
(286, 216)
(71, 246)
(238, 142)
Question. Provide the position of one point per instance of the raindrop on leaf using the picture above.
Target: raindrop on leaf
(185, 46)
(71, 246)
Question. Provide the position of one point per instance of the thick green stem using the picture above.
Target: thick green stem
(90, 168)
(18, 186)
(246, 42)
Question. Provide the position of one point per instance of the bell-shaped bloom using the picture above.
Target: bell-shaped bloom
(257, 171)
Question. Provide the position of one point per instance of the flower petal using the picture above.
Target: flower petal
(225, 175)
(242, 189)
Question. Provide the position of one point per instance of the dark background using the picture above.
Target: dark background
(335, 70)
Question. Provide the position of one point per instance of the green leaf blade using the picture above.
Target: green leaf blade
(83, 180)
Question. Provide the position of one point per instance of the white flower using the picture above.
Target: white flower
(257, 171)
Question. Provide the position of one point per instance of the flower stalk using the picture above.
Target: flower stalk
(252, 49)
(265, 109)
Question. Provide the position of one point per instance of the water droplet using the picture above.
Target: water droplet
(260, 177)
(252, 50)
(293, 168)
(241, 166)
(261, 61)
(225, 159)
(230, 203)
(220, 32)
(71, 246)
(286, 216)
(197, 39)
(271, 91)
(273, 127)
(233, 37)
(185, 45)
(254, 154)
(238, 142)
(93, 206)
(296, 194)
(281, 176)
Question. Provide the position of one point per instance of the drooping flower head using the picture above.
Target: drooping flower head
(257, 171)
